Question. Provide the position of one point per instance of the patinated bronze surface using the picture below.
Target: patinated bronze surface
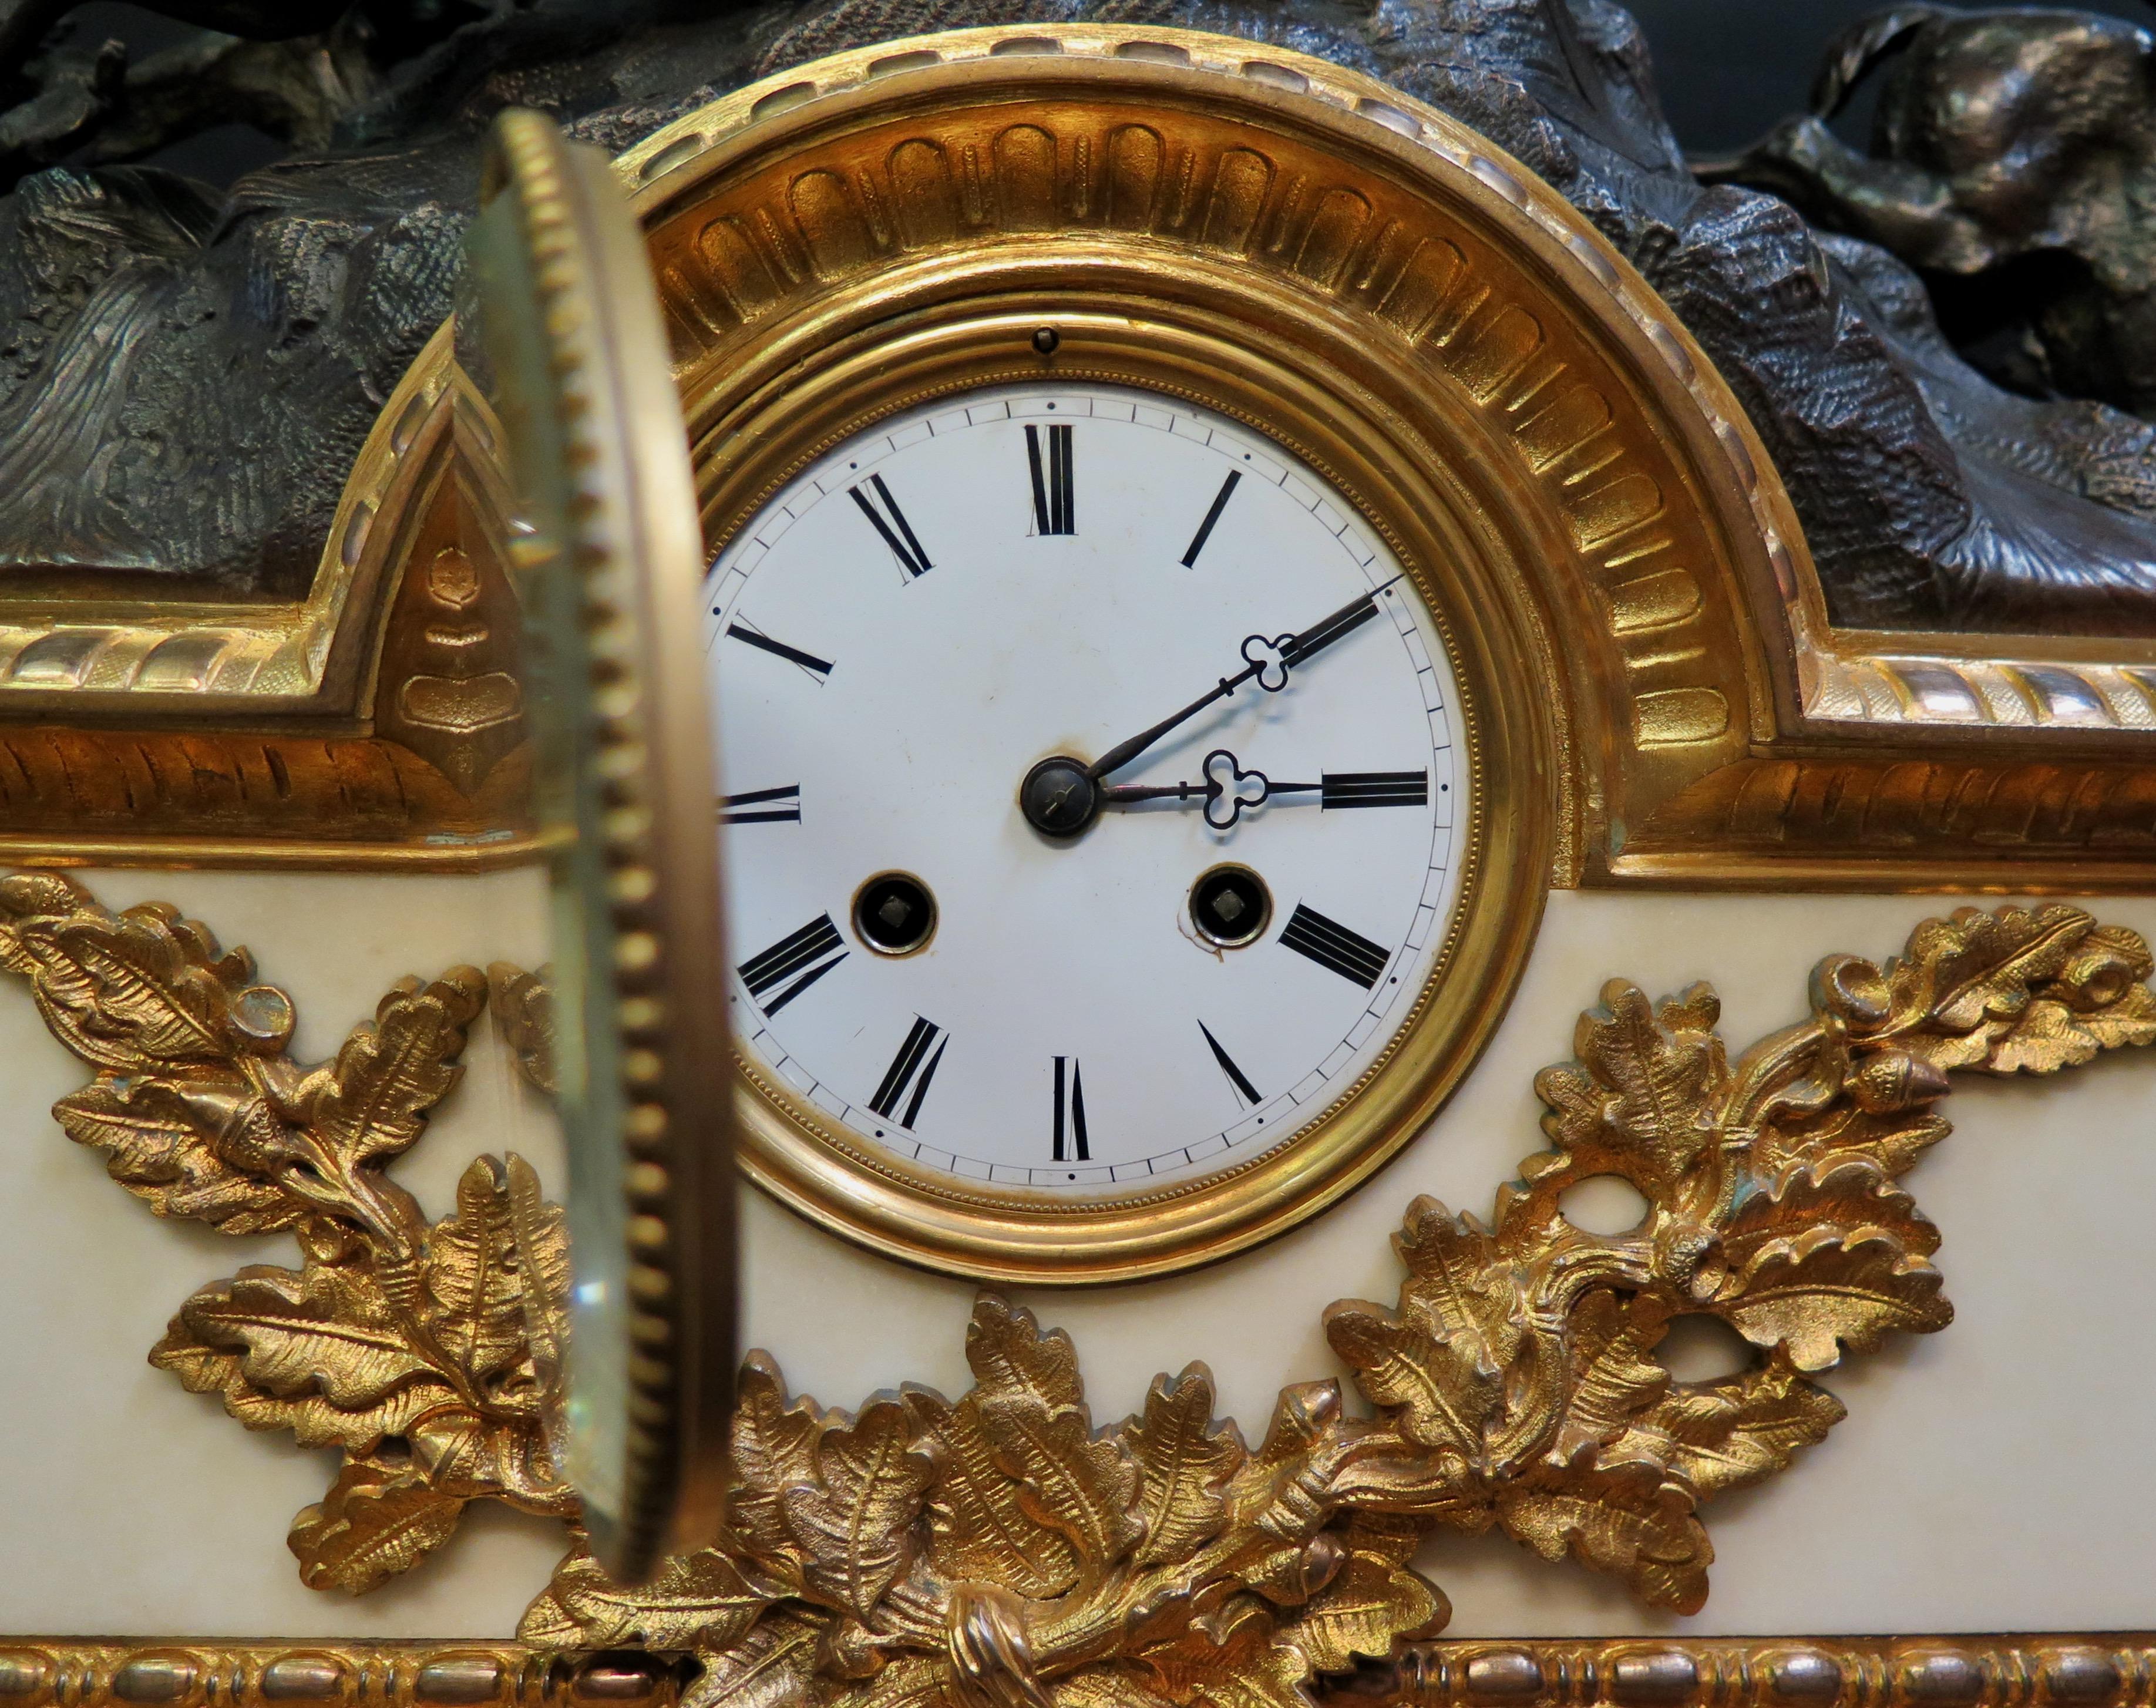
(184, 378)
(2013, 162)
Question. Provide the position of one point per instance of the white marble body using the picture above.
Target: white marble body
(1992, 1477)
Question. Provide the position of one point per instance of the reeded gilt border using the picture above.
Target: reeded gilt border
(2107, 1669)
(998, 1549)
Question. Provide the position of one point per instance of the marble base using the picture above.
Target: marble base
(1988, 1478)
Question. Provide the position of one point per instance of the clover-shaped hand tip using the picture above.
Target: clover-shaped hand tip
(1269, 659)
(1229, 788)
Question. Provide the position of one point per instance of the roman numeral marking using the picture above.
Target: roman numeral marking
(889, 520)
(1237, 1077)
(762, 807)
(906, 1071)
(1205, 528)
(1070, 1112)
(1375, 788)
(1334, 947)
(816, 667)
(803, 952)
(1053, 512)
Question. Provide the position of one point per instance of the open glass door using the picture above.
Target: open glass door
(563, 336)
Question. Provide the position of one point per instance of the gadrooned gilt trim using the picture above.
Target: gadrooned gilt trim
(36, 1672)
(1879, 679)
(679, 147)
(998, 1549)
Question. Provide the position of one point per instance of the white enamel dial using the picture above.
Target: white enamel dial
(898, 637)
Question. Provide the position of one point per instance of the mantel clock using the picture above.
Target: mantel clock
(1080, 584)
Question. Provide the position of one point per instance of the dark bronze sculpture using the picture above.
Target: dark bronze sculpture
(2013, 163)
(184, 377)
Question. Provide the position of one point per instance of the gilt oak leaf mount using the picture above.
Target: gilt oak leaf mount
(999, 1549)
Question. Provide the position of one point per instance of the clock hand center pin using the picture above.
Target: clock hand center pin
(1059, 798)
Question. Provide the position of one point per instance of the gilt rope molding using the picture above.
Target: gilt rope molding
(997, 1551)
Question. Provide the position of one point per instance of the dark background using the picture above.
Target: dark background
(1727, 69)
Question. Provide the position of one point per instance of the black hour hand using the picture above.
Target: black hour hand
(1227, 790)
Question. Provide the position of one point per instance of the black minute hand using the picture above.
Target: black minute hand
(1263, 659)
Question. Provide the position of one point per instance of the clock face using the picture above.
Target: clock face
(983, 927)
